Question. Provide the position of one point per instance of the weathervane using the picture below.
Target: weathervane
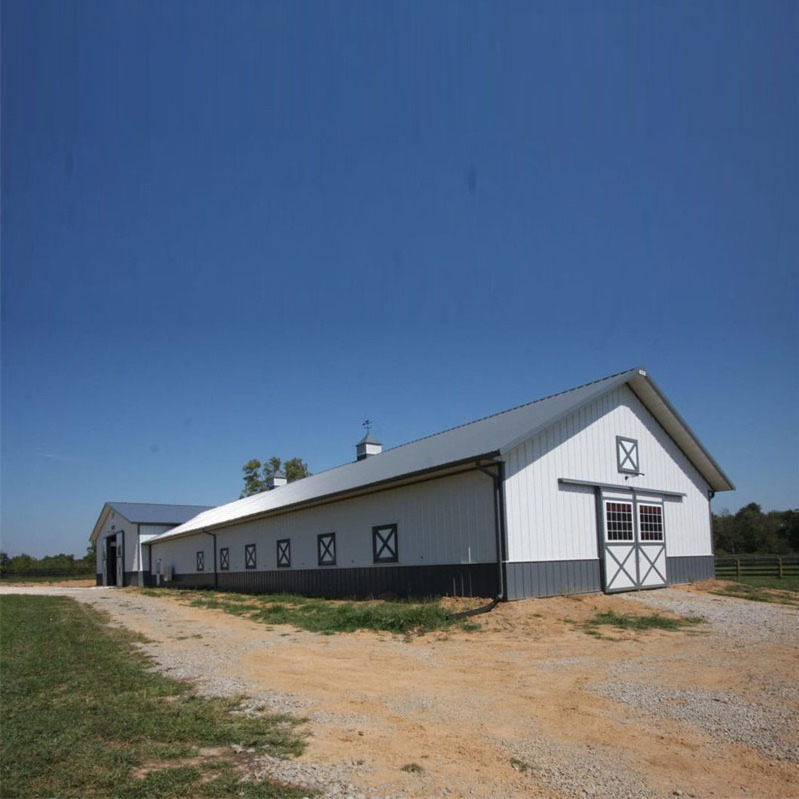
(367, 423)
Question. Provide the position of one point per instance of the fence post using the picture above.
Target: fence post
(737, 567)
(779, 561)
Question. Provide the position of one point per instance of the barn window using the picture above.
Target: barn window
(326, 549)
(627, 455)
(384, 543)
(224, 559)
(650, 518)
(284, 553)
(249, 556)
(619, 521)
(200, 561)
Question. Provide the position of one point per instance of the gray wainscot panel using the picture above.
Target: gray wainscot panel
(552, 578)
(690, 569)
(474, 579)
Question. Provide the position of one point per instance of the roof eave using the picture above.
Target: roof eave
(454, 467)
(98, 526)
(645, 388)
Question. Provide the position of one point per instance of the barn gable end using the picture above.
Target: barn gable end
(121, 533)
(555, 483)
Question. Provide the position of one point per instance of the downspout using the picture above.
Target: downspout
(710, 494)
(499, 516)
(216, 573)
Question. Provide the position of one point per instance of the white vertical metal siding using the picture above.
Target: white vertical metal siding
(121, 525)
(146, 533)
(134, 535)
(548, 521)
(447, 520)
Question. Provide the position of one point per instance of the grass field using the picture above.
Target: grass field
(330, 616)
(83, 717)
(628, 621)
(783, 591)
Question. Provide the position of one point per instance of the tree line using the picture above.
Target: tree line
(750, 531)
(56, 565)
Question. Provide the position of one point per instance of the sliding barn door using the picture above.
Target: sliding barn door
(634, 545)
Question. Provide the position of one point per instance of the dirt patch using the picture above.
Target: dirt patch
(527, 706)
(87, 583)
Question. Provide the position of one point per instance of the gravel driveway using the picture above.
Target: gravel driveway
(529, 706)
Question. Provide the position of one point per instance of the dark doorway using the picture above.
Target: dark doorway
(111, 560)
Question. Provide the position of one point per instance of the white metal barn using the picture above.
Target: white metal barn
(122, 532)
(603, 487)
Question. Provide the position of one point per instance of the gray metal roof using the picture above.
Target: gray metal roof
(149, 513)
(488, 437)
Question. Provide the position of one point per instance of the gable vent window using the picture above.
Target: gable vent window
(326, 549)
(384, 544)
(224, 559)
(249, 556)
(200, 561)
(627, 455)
(284, 553)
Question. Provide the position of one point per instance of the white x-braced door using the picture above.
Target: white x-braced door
(634, 550)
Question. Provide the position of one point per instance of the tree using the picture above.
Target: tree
(257, 475)
(295, 469)
(252, 478)
(789, 529)
(725, 534)
(751, 531)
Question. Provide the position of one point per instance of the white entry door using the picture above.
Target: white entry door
(634, 545)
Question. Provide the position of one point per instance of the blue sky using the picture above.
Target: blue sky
(232, 230)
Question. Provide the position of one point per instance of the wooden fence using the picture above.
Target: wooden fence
(758, 566)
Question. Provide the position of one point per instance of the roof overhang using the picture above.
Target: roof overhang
(420, 476)
(656, 403)
(101, 519)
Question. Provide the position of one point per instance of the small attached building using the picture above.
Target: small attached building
(122, 534)
(600, 488)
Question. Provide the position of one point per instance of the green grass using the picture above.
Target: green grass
(82, 716)
(783, 591)
(330, 616)
(629, 621)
